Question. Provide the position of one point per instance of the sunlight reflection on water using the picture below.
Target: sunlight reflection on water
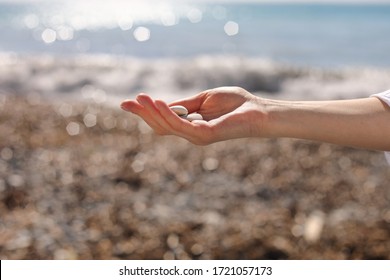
(122, 14)
(324, 35)
(61, 20)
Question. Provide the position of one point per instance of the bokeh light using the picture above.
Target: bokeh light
(125, 23)
(31, 21)
(194, 15)
(65, 33)
(231, 28)
(73, 128)
(142, 34)
(90, 120)
(49, 36)
(168, 18)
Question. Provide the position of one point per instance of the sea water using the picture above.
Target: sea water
(315, 34)
(200, 44)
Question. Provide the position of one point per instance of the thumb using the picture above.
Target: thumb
(192, 103)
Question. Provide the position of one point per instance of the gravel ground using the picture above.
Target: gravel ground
(82, 181)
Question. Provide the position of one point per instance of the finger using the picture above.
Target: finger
(147, 102)
(131, 106)
(150, 105)
(136, 108)
(159, 118)
(180, 127)
(192, 103)
(150, 113)
(177, 124)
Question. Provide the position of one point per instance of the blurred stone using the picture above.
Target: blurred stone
(313, 226)
(210, 164)
(15, 180)
(6, 153)
(173, 241)
(65, 254)
(22, 239)
(197, 249)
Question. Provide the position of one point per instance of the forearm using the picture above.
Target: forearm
(363, 123)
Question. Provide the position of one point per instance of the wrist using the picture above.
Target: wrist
(275, 120)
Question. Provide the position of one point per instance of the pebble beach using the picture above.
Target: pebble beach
(82, 180)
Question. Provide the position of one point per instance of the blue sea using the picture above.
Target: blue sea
(313, 34)
(180, 47)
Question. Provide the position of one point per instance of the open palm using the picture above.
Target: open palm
(228, 112)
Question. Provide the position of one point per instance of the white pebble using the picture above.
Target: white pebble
(194, 117)
(182, 112)
(179, 110)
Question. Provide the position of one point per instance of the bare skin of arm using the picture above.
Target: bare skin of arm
(232, 112)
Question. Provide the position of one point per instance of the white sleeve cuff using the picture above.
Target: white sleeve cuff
(384, 96)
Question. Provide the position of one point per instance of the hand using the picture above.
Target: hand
(228, 112)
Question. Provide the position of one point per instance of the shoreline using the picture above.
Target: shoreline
(110, 79)
(114, 190)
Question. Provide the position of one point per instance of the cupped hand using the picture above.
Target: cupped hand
(228, 113)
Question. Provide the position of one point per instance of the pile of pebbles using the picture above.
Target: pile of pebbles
(81, 181)
(182, 112)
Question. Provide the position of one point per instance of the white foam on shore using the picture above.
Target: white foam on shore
(104, 78)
